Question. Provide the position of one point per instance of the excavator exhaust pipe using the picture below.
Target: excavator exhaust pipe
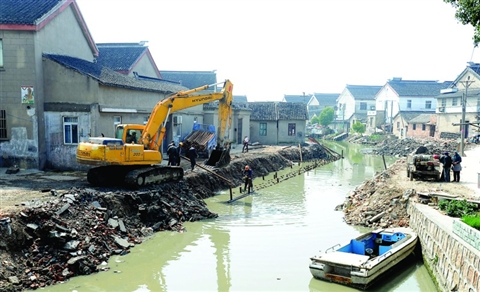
(219, 157)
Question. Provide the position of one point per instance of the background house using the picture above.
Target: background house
(422, 126)
(401, 123)
(353, 104)
(323, 100)
(130, 59)
(405, 95)
(450, 100)
(278, 123)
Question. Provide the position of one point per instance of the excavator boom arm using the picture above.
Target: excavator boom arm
(154, 131)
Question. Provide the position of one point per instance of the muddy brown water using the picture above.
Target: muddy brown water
(260, 243)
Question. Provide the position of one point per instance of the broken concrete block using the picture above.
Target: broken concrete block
(63, 209)
(113, 223)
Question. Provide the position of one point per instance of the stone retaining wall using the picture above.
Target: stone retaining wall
(454, 262)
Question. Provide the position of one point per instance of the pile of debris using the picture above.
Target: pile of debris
(403, 147)
(76, 232)
(379, 202)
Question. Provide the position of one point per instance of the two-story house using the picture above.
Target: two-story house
(399, 95)
(462, 97)
(354, 104)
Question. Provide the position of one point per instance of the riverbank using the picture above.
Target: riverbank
(382, 200)
(64, 233)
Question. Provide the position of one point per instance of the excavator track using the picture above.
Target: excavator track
(133, 176)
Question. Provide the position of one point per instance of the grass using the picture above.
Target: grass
(472, 220)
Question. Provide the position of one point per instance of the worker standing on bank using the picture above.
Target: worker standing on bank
(248, 176)
(245, 144)
(192, 154)
(172, 154)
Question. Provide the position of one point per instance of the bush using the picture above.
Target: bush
(377, 137)
(457, 208)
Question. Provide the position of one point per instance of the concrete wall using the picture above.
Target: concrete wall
(455, 264)
(272, 135)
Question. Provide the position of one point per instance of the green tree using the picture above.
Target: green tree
(326, 116)
(358, 127)
(468, 12)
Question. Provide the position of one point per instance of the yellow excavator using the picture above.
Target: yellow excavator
(134, 155)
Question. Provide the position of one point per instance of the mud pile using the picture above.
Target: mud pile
(77, 231)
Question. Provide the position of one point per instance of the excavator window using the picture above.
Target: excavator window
(133, 135)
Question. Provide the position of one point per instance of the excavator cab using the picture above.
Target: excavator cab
(220, 156)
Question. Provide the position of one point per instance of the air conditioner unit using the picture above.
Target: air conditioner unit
(177, 120)
(441, 109)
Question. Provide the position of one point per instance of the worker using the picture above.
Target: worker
(179, 150)
(245, 144)
(172, 154)
(248, 177)
(133, 138)
(192, 154)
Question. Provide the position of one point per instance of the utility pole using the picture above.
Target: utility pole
(463, 124)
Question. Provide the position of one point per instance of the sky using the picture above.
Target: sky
(272, 48)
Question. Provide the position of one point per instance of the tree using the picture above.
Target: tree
(326, 116)
(468, 12)
(358, 127)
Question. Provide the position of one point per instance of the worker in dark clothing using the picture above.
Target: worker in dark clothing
(192, 154)
(446, 160)
(248, 177)
(172, 154)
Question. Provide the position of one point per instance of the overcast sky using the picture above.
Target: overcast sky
(269, 48)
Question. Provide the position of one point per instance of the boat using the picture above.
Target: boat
(365, 259)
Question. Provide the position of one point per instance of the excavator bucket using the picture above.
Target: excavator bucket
(219, 158)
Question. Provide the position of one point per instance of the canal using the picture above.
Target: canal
(260, 243)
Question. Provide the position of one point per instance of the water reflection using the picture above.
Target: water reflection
(260, 243)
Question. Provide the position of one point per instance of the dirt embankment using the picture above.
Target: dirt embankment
(60, 233)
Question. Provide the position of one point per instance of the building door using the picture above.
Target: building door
(239, 131)
(432, 130)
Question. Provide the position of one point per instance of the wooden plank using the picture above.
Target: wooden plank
(240, 197)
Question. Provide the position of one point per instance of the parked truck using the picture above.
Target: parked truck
(423, 165)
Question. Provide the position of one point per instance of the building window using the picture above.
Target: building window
(444, 102)
(3, 125)
(409, 103)
(1, 53)
(291, 129)
(414, 126)
(424, 127)
(428, 104)
(70, 130)
(116, 121)
(454, 101)
(398, 125)
(363, 106)
(263, 129)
